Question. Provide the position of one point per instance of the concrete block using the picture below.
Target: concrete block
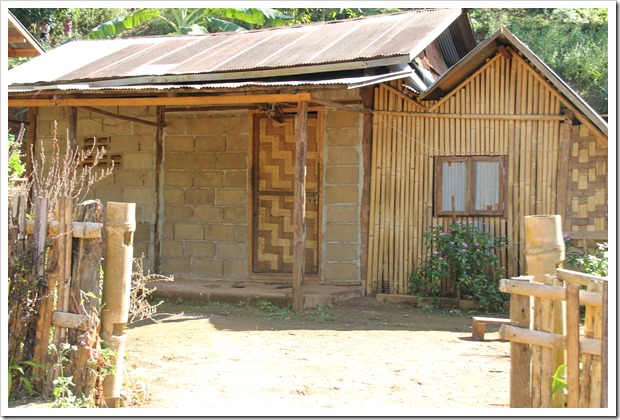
(138, 160)
(139, 196)
(230, 197)
(177, 213)
(336, 232)
(234, 123)
(174, 160)
(341, 252)
(207, 214)
(235, 179)
(342, 119)
(189, 231)
(340, 195)
(124, 143)
(179, 143)
(175, 266)
(237, 142)
(343, 137)
(212, 179)
(343, 156)
(199, 249)
(235, 215)
(174, 196)
(235, 269)
(213, 143)
(172, 248)
(348, 175)
(207, 267)
(340, 271)
(202, 124)
(178, 178)
(342, 214)
(128, 177)
(198, 197)
(204, 160)
(232, 160)
(175, 124)
(220, 233)
(231, 251)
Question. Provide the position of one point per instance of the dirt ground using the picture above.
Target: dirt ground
(359, 357)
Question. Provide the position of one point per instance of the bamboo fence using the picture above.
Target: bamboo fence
(65, 289)
(504, 109)
(535, 347)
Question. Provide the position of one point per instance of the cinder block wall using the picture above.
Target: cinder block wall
(342, 192)
(132, 180)
(206, 195)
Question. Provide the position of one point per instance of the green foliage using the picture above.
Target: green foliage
(274, 310)
(572, 42)
(595, 263)
(467, 258)
(118, 25)
(19, 370)
(63, 393)
(16, 166)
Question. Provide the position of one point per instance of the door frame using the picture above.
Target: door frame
(266, 277)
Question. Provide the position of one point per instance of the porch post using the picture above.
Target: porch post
(299, 206)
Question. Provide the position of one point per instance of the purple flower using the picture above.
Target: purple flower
(443, 234)
(435, 252)
(464, 244)
(477, 244)
(451, 243)
(463, 250)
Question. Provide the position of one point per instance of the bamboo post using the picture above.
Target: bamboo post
(120, 223)
(520, 384)
(544, 251)
(572, 344)
(299, 206)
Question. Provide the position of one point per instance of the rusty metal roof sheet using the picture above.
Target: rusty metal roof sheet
(398, 35)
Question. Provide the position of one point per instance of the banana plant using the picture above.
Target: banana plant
(193, 21)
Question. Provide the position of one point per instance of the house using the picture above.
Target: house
(20, 42)
(208, 133)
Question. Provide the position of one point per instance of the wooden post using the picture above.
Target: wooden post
(299, 206)
(120, 224)
(44, 322)
(86, 274)
(520, 384)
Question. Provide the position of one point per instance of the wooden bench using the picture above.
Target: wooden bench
(479, 325)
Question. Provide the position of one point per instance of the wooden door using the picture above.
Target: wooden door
(273, 173)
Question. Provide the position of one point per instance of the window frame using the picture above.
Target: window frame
(470, 187)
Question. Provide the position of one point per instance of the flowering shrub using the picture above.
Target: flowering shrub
(467, 259)
(595, 264)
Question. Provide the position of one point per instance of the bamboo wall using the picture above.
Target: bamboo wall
(505, 108)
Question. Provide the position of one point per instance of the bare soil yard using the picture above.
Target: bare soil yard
(360, 357)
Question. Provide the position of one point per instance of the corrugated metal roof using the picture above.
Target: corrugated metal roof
(384, 36)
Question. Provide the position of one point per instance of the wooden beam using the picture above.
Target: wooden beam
(121, 117)
(338, 105)
(299, 206)
(159, 187)
(518, 117)
(162, 100)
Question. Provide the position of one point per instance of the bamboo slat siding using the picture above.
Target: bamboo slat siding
(504, 109)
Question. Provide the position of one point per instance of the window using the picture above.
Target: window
(470, 186)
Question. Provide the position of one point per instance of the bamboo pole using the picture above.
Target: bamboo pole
(120, 226)
(519, 335)
(373, 216)
(299, 207)
(520, 382)
(572, 344)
